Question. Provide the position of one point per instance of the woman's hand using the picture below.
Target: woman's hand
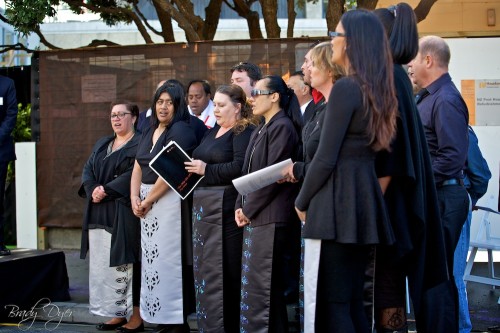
(288, 175)
(138, 211)
(98, 194)
(146, 206)
(240, 218)
(196, 166)
(301, 214)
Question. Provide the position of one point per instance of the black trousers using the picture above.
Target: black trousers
(341, 276)
(3, 176)
(454, 207)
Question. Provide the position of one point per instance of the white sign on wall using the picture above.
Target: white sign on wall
(483, 101)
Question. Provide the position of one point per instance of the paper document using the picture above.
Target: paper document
(261, 178)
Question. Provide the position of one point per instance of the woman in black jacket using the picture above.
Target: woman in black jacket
(266, 214)
(110, 230)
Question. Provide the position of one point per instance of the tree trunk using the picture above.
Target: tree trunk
(184, 23)
(334, 11)
(167, 31)
(367, 4)
(270, 13)
(252, 17)
(291, 18)
(212, 14)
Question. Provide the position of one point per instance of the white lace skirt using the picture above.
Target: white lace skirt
(161, 286)
(110, 288)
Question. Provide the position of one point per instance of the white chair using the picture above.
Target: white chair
(484, 240)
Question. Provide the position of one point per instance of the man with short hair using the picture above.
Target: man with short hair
(303, 93)
(445, 119)
(245, 75)
(199, 101)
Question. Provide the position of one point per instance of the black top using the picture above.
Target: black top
(272, 142)
(411, 200)
(224, 155)
(310, 139)
(113, 171)
(180, 132)
(341, 193)
(445, 118)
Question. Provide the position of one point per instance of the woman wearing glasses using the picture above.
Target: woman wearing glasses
(266, 214)
(110, 230)
(164, 218)
(341, 200)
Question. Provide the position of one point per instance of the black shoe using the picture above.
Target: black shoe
(171, 328)
(139, 328)
(110, 327)
(4, 251)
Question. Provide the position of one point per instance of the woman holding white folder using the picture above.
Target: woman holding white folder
(165, 284)
(266, 214)
(217, 240)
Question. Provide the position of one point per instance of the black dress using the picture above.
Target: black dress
(217, 240)
(412, 204)
(345, 210)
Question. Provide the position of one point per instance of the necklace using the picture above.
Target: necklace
(123, 143)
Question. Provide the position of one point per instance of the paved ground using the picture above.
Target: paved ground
(483, 302)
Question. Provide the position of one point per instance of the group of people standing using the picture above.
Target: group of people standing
(362, 188)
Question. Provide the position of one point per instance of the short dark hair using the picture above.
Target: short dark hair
(132, 107)
(253, 71)
(204, 83)
(298, 73)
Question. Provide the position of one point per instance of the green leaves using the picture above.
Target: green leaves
(26, 15)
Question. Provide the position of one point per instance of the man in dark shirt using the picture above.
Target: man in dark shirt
(445, 119)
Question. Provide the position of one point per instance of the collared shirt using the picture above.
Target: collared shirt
(304, 106)
(445, 118)
(207, 116)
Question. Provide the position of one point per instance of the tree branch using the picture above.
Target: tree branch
(115, 11)
(191, 33)
(423, 8)
(44, 41)
(145, 20)
(15, 47)
(101, 42)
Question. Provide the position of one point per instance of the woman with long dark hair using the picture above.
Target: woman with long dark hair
(165, 287)
(407, 180)
(266, 214)
(345, 207)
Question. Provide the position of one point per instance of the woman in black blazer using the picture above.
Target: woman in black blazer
(266, 213)
(345, 206)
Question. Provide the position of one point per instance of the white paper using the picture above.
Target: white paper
(261, 178)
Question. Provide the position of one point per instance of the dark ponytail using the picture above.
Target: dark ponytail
(288, 101)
